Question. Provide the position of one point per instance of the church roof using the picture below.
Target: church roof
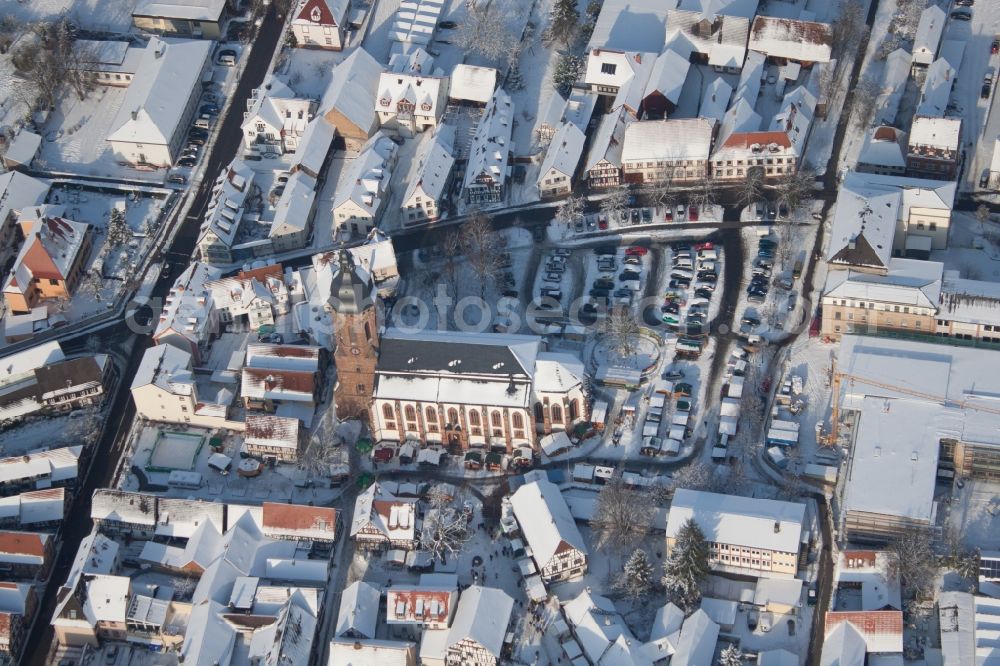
(351, 288)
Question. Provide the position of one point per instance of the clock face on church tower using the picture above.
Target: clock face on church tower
(355, 351)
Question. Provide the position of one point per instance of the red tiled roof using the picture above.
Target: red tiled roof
(743, 140)
(22, 543)
(869, 623)
(298, 517)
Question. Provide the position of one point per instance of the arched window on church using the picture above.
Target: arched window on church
(556, 414)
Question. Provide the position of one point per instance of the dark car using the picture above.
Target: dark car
(707, 276)
(995, 46)
(961, 14)
(679, 283)
(177, 179)
(599, 293)
(673, 307)
(635, 216)
(210, 109)
(604, 249)
(187, 162)
(756, 297)
(623, 293)
(447, 25)
(227, 52)
(987, 86)
(198, 133)
(647, 215)
(604, 283)
(629, 275)
(703, 292)
(196, 141)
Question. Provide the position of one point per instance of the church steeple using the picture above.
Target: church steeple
(356, 330)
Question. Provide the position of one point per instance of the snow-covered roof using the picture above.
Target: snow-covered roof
(422, 92)
(431, 167)
(22, 149)
(884, 147)
(712, 8)
(557, 372)
(795, 117)
(739, 119)
(358, 614)
(880, 588)
(668, 621)
(545, 521)
(352, 89)
(271, 431)
(491, 143)
(167, 367)
(322, 13)
(452, 353)
(928, 36)
(157, 97)
(744, 521)
(882, 631)
(696, 643)
(606, 67)
(180, 518)
(482, 615)
(472, 83)
(724, 46)
(995, 162)
(630, 24)
(895, 74)
(668, 75)
(602, 633)
(19, 191)
(277, 106)
(608, 142)
(416, 21)
(716, 100)
(785, 591)
(909, 282)
(50, 248)
(376, 256)
(365, 181)
(940, 133)
(298, 521)
(227, 202)
(187, 10)
(294, 209)
(34, 507)
(563, 153)
(658, 140)
(21, 365)
(394, 517)
(314, 145)
(844, 646)
(188, 307)
(791, 39)
(106, 599)
(935, 96)
(429, 602)
(969, 301)
(122, 506)
(52, 466)
(968, 628)
(351, 652)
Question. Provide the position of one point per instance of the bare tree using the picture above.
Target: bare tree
(752, 187)
(795, 188)
(482, 249)
(93, 284)
(570, 210)
(698, 475)
(849, 25)
(485, 32)
(622, 517)
(663, 192)
(960, 558)
(451, 248)
(703, 195)
(913, 561)
(615, 203)
(622, 331)
(445, 532)
(865, 97)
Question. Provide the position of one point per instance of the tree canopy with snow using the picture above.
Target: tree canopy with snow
(686, 567)
(636, 578)
(623, 515)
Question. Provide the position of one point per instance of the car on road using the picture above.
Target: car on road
(995, 46)
(961, 14)
(602, 224)
(987, 86)
(187, 162)
(636, 251)
(210, 109)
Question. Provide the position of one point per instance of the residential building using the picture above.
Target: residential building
(630, 24)
(770, 151)
(895, 76)
(715, 101)
(153, 120)
(25, 555)
(667, 150)
(359, 606)
(603, 166)
(55, 468)
(906, 298)
(933, 151)
(110, 62)
(748, 536)
(601, 633)
(75, 383)
(18, 603)
(550, 531)
(349, 101)
(478, 632)
(878, 217)
(165, 389)
(382, 521)
(301, 523)
(785, 40)
(51, 260)
(33, 510)
(364, 188)
(884, 152)
(930, 29)
(609, 71)
(472, 85)
(716, 40)
(321, 24)
(967, 625)
(312, 155)
(17, 192)
(429, 180)
(487, 169)
(741, 116)
(555, 178)
(188, 319)
(195, 18)
(844, 644)
(935, 95)
(276, 118)
(233, 195)
(253, 297)
(282, 379)
(272, 437)
(291, 226)
(408, 103)
(882, 631)
(869, 571)
(429, 604)
(357, 652)
(473, 390)
(377, 257)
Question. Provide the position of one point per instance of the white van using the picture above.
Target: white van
(712, 255)
(683, 262)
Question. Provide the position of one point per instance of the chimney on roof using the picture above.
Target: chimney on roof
(777, 526)
(135, 114)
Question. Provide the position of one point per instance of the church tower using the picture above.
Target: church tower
(356, 334)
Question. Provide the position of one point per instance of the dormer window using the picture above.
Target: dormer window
(315, 15)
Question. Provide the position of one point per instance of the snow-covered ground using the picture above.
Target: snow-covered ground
(93, 15)
(40, 432)
(969, 252)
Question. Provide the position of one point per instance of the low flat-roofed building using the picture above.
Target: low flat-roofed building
(198, 18)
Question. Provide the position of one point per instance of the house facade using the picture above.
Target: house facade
(276, 119)
(667, 150)
(410, 103)
(549, 529)
(430, 179)
(194, 18)
(321, 24)
(382, 521)
(75, 383)
(933, 149)
(364, 190)
(487, 169)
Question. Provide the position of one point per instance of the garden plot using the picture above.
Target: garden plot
(307, 71)
(49, 432)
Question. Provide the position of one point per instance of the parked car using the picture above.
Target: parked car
(629, 275)
(447, 25)
(210, 109)
(177, 179)
(693, 213)
(647, 215)
(196, 141)
(187, 162)
(679, 283)
(962, 14)
(636, 251)
(703, 292)
(552, 277)
(791, 301)
(633, 261)
(602, 224)
(604, 249)
(987, 86)
(995, 46)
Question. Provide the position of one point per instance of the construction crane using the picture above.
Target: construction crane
(830, 439)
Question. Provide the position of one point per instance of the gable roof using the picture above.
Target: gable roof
(563, 153)
(882, 630)
(908, 282)
(352, 89)
(483, 615)
(472, 83)
(805, 41)
(667, 78)
(844, 646)
(608, 143)
(679, 139)
(51, 245)
(321, 12)
(430, 169)
(299, 521)
(189, 10)
(358, 610)
(156, 98)
(491, 142)
(447, 352)
(545, 521)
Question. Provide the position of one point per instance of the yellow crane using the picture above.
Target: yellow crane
(838, 376)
